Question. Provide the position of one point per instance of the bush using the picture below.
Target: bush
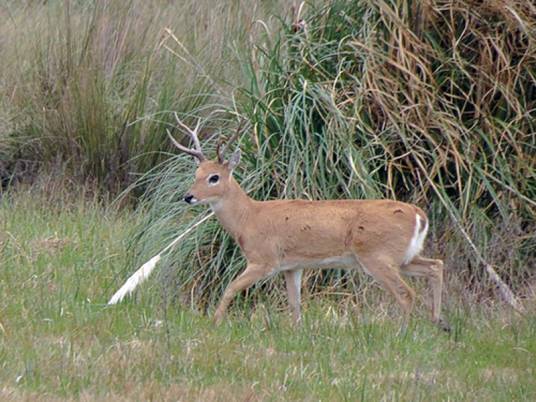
(431, 104)
(91, 85)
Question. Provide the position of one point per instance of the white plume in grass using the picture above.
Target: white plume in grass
(132, 283)
(146, 269)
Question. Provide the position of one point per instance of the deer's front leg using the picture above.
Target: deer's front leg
(293, 280)
(251, 274)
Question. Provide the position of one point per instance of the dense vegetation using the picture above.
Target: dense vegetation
(427, 102)
(433, 105)
(88, 87)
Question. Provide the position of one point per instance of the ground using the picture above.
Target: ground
(59, 340)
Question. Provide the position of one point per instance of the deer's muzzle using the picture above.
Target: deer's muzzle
(190, 199)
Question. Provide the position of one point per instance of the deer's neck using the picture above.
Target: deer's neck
(233, 209)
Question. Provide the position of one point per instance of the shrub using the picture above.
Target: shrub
(429, 103)
(91, 84)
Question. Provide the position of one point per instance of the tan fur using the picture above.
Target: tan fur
(290, 235)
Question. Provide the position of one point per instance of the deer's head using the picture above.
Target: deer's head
(212, 177)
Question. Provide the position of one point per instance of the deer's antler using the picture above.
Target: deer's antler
(220, 149)
(197, 152)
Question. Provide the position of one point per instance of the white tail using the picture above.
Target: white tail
(385, 237)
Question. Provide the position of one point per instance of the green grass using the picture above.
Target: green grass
(428, 103)
(62, 260)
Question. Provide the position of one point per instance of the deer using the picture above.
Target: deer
(384, 237)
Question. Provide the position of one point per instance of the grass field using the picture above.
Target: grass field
(58, 341)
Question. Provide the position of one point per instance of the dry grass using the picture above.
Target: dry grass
(90, 85)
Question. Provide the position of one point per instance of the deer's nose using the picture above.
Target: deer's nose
(188, 198)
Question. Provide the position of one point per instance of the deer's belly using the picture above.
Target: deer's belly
(340, 261)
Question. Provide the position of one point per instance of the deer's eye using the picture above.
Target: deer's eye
(213, 179)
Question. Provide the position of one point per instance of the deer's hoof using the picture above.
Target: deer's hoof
(443, 325)
(218, 318)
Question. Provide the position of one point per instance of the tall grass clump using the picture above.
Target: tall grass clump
(427, 102)
(91, 84)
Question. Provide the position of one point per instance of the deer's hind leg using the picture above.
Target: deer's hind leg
(433, 271)
(387, 273)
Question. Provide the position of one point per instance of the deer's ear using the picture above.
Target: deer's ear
(234, 160)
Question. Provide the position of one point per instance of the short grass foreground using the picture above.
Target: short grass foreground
(58, 340)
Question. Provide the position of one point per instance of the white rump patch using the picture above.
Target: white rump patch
(417, 240)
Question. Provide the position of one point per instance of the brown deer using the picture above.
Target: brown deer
(384, 237)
